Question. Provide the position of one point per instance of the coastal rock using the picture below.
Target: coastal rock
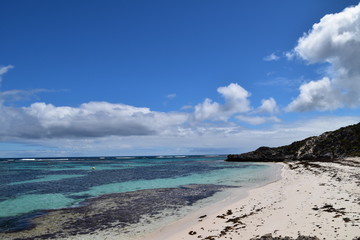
(344, 142)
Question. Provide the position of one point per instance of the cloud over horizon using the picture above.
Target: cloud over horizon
(93, 119)
(100, 119)
(334, 40)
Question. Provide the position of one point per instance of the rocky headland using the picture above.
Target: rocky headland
(338, 144)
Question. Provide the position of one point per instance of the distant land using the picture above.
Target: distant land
(338, 144)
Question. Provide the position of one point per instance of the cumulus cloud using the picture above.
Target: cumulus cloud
(103, 119)
(318, 95)
(224, 138)
(268, 106)
(236, 101)
(93, 119)
(334, 40)
(209, 110)
(236, 105)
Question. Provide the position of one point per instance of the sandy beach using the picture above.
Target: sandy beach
(319, 200)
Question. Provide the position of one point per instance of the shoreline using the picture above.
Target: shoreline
(167, 224)
(183, 225)
(317, 200)
(147, 229)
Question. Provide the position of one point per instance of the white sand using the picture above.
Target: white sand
(325, 205)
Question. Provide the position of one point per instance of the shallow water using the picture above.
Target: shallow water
(27, 186)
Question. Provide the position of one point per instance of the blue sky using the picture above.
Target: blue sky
(174, 77)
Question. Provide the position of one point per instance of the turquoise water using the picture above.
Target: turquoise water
(30, 185)
(28, 203)
(244, 177)
(47, 179)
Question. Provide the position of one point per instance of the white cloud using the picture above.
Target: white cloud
(334, 40)
(257, 120)
(171, 96)
(93, 119)
(271, 57)
(290, 55)
(268, 106)
(226, 138)
(209, 110)
(236, 101)
(102, 119)
(18, 95)
(186, 107)
(3, 70)
(236, 98)
(317, 95)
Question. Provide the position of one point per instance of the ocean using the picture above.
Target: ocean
(136, 188)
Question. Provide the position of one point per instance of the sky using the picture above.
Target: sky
(115, 78)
